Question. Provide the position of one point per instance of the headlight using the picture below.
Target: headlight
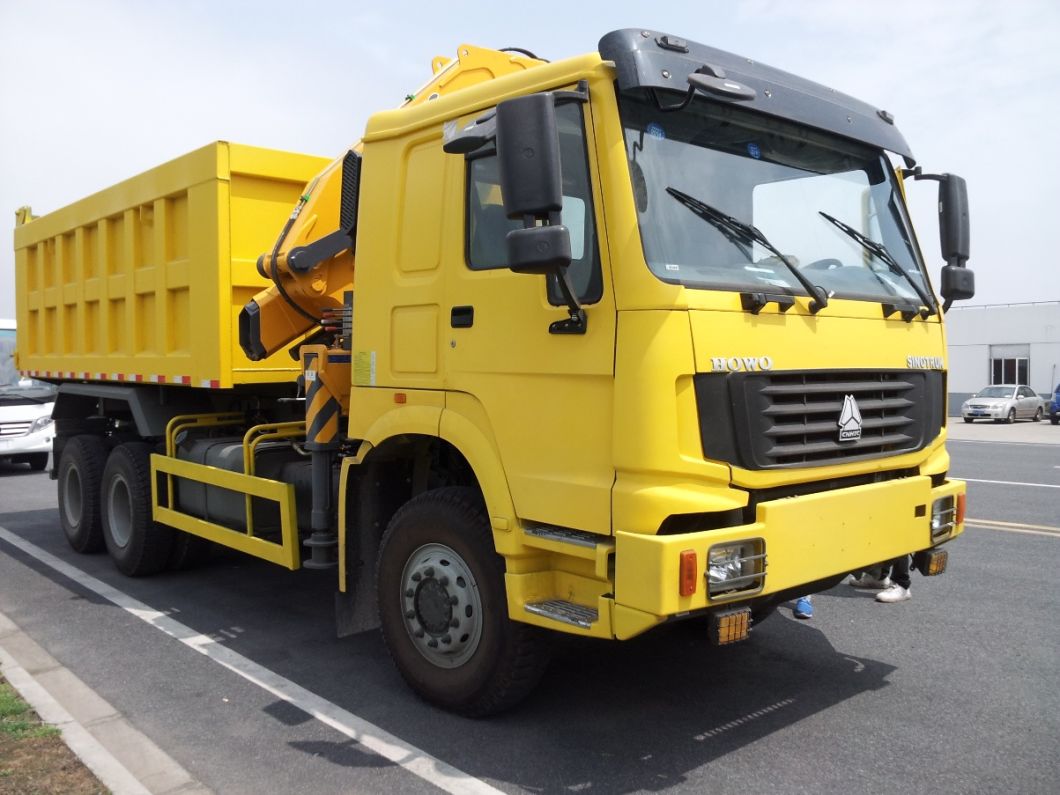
(943, 518)
(736, 568)
(40, 424)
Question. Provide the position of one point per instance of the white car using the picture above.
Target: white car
(26, 405)
(1003, 403)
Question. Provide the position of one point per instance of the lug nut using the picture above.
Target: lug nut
(443, 581)
(429, 571)
(417, 577)
(418, 633)
(410, 614)
(410, 593)
(447, 640)
(454, 623)
(454, 600)
(432, 643)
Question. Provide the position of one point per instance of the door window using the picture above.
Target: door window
(487, 224)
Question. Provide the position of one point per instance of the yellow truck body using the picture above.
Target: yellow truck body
(699, 434)
(143, 281)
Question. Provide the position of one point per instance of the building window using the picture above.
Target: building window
(1009, 371)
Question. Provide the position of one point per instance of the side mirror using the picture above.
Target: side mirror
(528, 156)
(958, 282)
(528, 159)
(953, 219)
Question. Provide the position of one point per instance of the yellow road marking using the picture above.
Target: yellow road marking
(1014, 527)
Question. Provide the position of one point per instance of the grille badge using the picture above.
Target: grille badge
(849, 420)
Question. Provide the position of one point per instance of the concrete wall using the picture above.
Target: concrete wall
(972, 332)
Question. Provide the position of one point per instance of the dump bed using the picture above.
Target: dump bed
(144, 281)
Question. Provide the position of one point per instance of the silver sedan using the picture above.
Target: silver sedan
(1003, 403)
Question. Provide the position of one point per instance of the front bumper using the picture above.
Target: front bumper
(806, 539)
(988, 413)
(29, 443)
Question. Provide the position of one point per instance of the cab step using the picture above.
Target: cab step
(565, 612)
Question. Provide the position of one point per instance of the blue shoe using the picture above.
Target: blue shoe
(803, 608)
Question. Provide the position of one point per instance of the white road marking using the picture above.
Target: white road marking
(416, 761)
(1009, 483)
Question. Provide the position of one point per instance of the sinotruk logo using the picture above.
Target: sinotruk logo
(849, 420)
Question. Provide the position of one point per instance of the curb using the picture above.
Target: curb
(98, 735)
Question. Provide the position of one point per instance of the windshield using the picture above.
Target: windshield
(996, 392)
(12, 386)
(790, 182)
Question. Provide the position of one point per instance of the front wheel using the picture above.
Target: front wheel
(969, 420)
(444, 611)
(1011, 418)
(1038, 414)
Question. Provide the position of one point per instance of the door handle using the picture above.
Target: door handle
(462, 317)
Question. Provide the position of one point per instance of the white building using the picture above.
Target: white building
(1002, 344)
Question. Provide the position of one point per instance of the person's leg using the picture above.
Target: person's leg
(899, 589)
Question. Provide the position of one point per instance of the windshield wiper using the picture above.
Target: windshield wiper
(881, 253)
(728, 226)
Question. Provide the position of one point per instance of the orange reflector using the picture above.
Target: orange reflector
(960, 508)
(689, 572)
(932, 562)
(730, 626)
(400, 397)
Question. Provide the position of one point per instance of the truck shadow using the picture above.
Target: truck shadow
(611, 717)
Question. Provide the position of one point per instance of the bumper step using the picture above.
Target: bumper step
(565, 612)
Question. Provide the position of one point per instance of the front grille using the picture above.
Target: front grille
(12, 429)
(789, 419)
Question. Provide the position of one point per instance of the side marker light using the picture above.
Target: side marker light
(689, 573)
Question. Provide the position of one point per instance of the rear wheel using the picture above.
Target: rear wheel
(80, 475)
(444, 610)
(138, 545)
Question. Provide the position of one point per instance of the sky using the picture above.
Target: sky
(94, 92)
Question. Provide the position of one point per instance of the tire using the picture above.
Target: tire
(1055, 420)
(138, 545)
(495, 662)
(1011, 418)
(80, 475)
(969, 420)
(1038, 415)
(37, 461)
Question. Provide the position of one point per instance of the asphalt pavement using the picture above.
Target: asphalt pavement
(234, 671)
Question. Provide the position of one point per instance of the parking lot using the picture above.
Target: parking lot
(233, 670)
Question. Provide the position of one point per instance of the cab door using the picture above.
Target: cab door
(546, 398)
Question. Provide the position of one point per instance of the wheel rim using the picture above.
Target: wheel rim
(441, 605)
(119, 511)
(73, 499)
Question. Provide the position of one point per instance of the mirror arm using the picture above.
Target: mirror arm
(576, 322)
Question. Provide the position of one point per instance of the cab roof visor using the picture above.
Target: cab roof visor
(643, 63)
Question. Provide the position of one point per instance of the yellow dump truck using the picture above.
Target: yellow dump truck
(587, 346)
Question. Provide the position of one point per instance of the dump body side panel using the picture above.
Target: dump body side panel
(143, 281)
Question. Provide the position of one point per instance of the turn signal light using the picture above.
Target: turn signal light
(689, 573)
(960, 508)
